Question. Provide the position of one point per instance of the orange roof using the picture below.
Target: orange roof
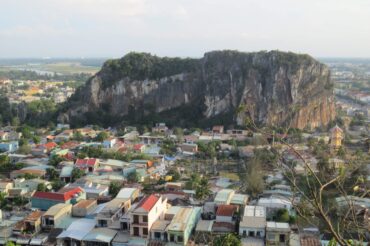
(148, 202)
(62, 195)
(34, 216)
(226, 210)
(84, 203)
(50, 145)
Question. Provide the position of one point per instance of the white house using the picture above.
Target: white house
(145, 214)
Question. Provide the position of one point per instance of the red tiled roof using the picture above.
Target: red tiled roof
(70, 145)
(50, 145)
(58, 196)
(86, 162)
(148, 202)
(138, 146)
(226, 210)
(310, 241)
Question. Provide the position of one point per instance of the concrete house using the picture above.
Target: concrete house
(183, 224)
(224, 196)
(99, 237)
(76, 232)
(9, 146)
(158, 231)
(110, 215)
(30, 225)
(88, 164)
(277, 233)
(109, 143)
(83, 208)
(272, 204)
(5, 185)
(145, 214)
(253, 223)
(226, 213)
(45, 200)
(54, 215)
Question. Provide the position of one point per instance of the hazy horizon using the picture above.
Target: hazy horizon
(184, 28)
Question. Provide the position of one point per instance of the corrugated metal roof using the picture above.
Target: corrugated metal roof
(100, 235)
(78, 229)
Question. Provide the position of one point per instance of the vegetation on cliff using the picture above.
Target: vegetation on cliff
(141, 66)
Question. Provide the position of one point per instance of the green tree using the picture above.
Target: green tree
(77, 173)
(57, 185)
(36, 139)
(54, 160)
(101, 136)
(78, 136)
(253, 179)
(10, 243)
(24, 149)
(282, 215)
(30, 176)
(341, 152)
(193, 183)
(114, 188)
(133, 177)
(42, 187)
(4, 160)
(175, 174)
(229, 239)
(52, 174)
(203, 191)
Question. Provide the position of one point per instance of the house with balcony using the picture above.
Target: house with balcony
(147, 211)
(111, 213)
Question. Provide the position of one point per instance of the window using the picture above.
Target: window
(244, 233)
(157, 235)
(271, 236)
(145, 231)
(258, 233)
(251, 234)
(180, 239)
(102, 223)
(136, 219)
(136, 231)
(124, 226)
(145, 218)
(172, 238)
(282, 238)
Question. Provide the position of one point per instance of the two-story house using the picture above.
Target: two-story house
(147, 211)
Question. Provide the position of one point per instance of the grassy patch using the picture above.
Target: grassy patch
(231, 176)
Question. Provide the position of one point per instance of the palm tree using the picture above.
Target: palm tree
(203, 190)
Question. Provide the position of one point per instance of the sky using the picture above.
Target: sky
(186, 28)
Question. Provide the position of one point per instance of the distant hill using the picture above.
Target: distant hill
(228, 87)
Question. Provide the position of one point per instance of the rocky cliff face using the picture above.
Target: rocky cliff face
(272, 88)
